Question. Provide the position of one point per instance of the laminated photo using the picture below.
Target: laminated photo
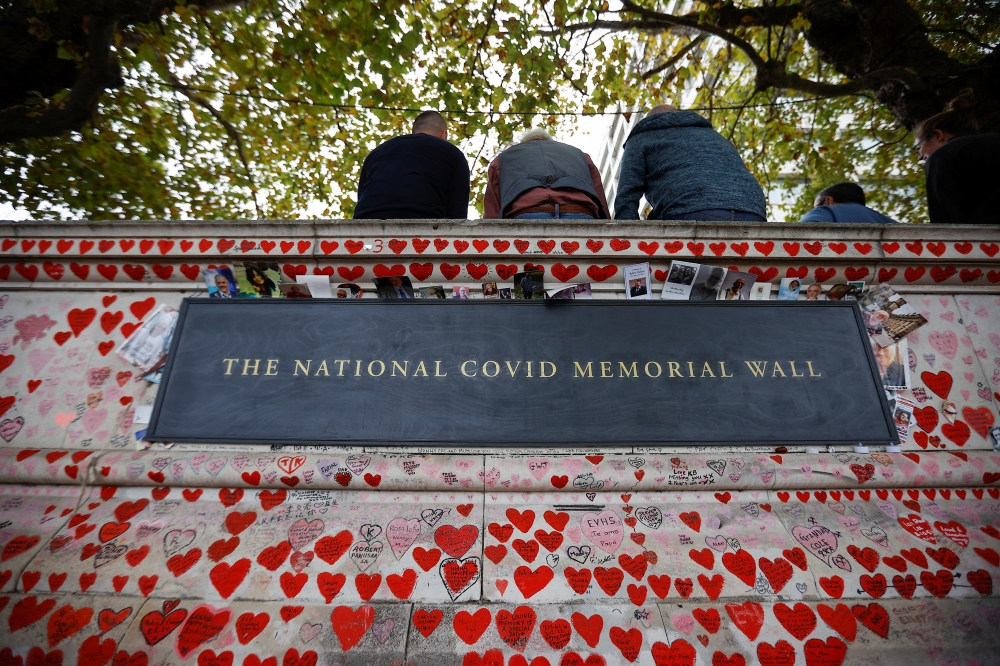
(583, 290)
(707, 283)
(349, 290)
(506, 293)
(814, 291)
(429, 292)
(789, 289)
(148, 344)
(397, 286)
(737, 286)
(893, 366)
(529, 285)
(680, 278)
(257, 279)
(562, 293)
(490, 290)
(902, 412)
(637, 282)
(897, 318)
(761, 292)
(460, 292)
(295, 290)
(221, 282)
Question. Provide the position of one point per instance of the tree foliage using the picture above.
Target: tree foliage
(267, 108)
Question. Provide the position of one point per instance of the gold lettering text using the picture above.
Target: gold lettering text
(421, 370)
(579, 371)
(659, 370)
(722, 367)
(496, 371)
(437, 370)
(229, 364)
(326, 371)
(402, 368)
(272, 364)
(707, 368)
(606, 370)
(792, 363)
(357, 373)
(246, 365)
(776, 370)
(512, 371)
(690, 368)
(305, 368)
(628, 371)
(466, 372)
(675, 369)
(758, 368)
(529, 368)
(381, 369)
(541, 369)
(811, 373)
(340, 363)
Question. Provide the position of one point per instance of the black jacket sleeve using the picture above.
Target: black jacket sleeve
(458, 191)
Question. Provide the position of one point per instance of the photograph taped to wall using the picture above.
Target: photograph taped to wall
(789, 289)
(149, 343)
(396, 286)
(221, 282)
(637, 282)
(435, 291)
(707, 283)
(737, 286)
(295, 290)
(529, 285)
(257, 279)
(902, 318)
(680, 278)
(349, 290)
(761, 292)
(490, 290)
(892, 365)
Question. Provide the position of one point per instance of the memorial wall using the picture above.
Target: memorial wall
(411, 536)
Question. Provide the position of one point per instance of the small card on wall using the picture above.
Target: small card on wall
(761, 291)
(680, 277)
(637, 282)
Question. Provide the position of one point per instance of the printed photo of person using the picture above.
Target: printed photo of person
(490, 290)
(529, 285)
(737, 286)
(891, 366)
(583, 290)
(148, 344)
(637, 288)
(636, 279)
(295, 290)
(814, 291)
(874, 321)
(506, 293)
(397, 286)
(430, 292)
(707, 283)
(348, 290)
(460, 292)
(789, 289)
(257, 279)
(221, 283)
(677, 286)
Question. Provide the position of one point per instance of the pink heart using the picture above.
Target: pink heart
(65, 418)
(605, 530)
(93, 419)
(539, 467)
(945, 342)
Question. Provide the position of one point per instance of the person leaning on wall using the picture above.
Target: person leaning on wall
(961, 165)
(844, 202)
(541, 178)
(687, 171)
(415, 176)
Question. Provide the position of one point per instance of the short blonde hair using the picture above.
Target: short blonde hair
(537, 134)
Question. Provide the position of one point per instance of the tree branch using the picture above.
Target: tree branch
(100, 71)
(692, 45)
(231, 130)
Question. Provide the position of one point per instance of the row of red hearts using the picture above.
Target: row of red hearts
(423, 271)
(419, 245)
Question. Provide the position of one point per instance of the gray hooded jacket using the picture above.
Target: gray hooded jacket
(683, 165)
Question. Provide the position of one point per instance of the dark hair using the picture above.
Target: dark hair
(267, 284)
(429, 120)
(844, 193)
(956, 119)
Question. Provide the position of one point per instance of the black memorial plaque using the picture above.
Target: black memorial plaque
(520, 373)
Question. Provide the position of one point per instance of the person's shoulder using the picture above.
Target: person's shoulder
(819, 214)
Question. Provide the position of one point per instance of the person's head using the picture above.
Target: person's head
(878, 317)
(537, 134)
(255, 276)
(814, 290)
(840, 193)
(794, 285)
(431, 122)
(739, 284)
(396, 282)
(956, 119)
(885, 356)
(294, 289)
(341, 293)
(661, 108)
(222, 283)
(714, 278)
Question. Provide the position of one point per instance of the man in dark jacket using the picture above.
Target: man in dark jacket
(687, 171)
(542, 178)
(844, 202)
(415, 176)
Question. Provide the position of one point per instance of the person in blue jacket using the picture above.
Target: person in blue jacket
(687, 171)
(844, 202)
